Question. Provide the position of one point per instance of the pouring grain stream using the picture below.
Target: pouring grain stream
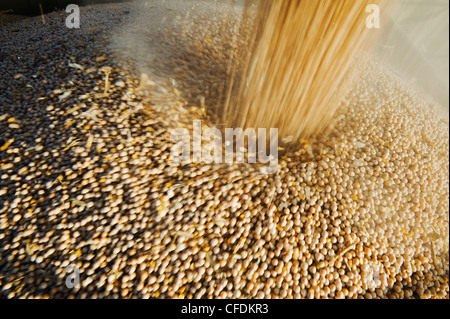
(295, 73)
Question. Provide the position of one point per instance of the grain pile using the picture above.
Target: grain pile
(87, 180)
(8, 18)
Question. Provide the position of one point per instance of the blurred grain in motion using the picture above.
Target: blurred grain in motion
(295, 72)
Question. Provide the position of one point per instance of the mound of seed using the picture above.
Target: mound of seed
(9, 18)
(87, 180)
